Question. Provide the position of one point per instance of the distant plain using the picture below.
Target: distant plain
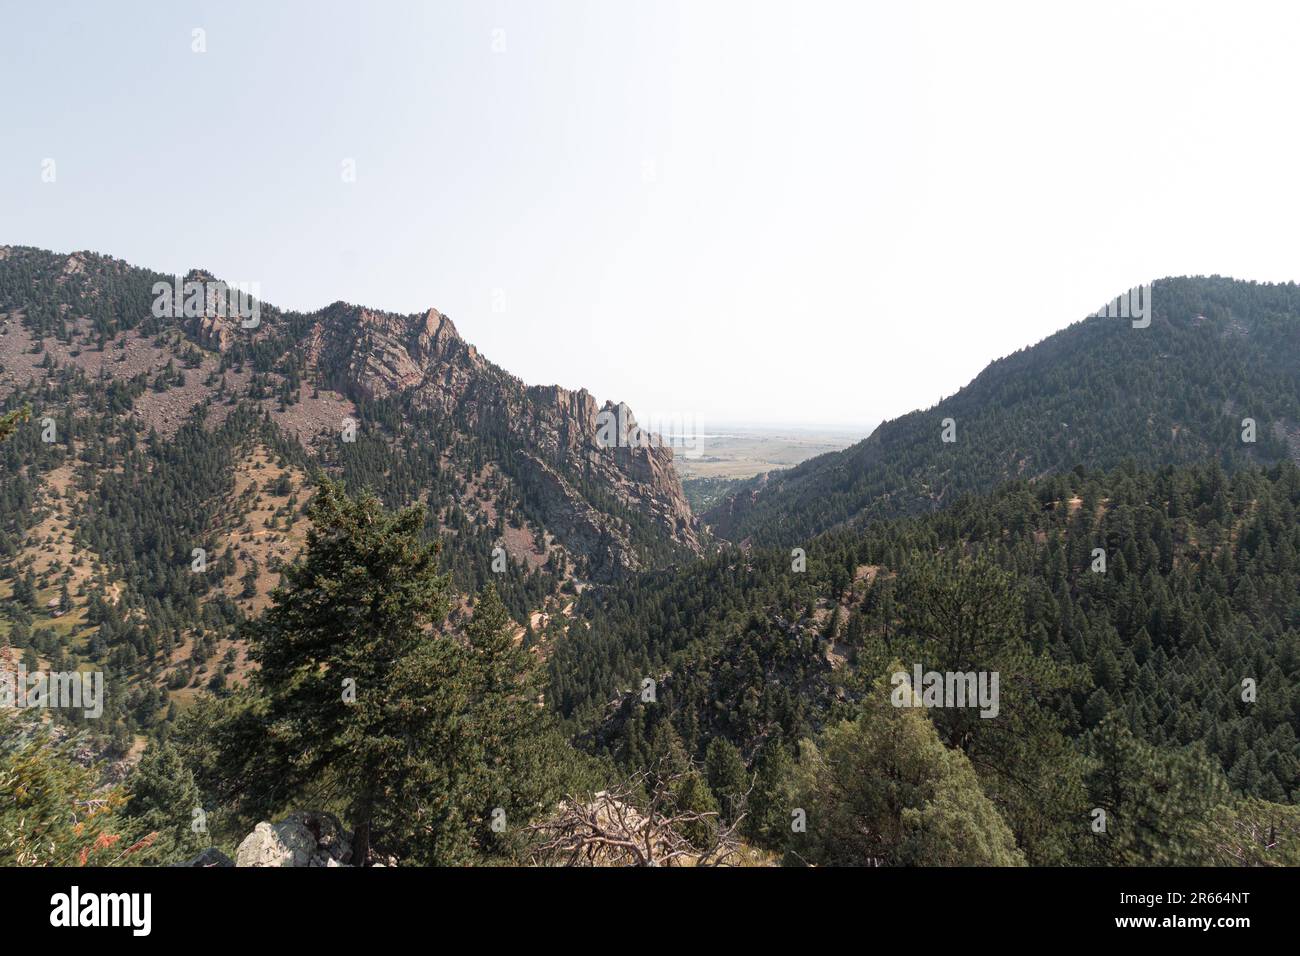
(743, 451)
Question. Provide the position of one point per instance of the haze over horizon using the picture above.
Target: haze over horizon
(767, 213)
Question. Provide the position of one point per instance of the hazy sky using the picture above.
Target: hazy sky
(742, 211)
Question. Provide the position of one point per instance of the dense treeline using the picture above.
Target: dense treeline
(1152, 649)
(146, 504)
(773, 715)
(1101, 392)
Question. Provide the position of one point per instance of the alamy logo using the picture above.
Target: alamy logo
(1134, 304)
(948, 689)
(194, 299)
(103, 909)
(64, 690)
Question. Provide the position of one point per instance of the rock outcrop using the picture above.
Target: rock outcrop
(422, 359)
(303, 838)
(413, 381)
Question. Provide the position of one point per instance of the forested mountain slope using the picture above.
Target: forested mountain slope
(404, 379)
(1100, 393)
(1197, 594)
(1143, 620)
(159, 483)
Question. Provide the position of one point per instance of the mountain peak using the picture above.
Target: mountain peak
(444, 413)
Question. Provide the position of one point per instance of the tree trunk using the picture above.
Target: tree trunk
(361, 844)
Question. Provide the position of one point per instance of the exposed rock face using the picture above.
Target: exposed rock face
(615, 505)
(380, 355)
(304, 838)
(581, 526)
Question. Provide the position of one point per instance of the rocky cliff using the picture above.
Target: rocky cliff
(530, 455)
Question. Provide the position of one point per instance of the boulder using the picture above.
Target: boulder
(303, 838)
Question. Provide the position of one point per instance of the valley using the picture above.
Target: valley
(216, 516)
(722, 456)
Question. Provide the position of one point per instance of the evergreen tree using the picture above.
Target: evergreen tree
(525, 761)
(163, 800)
(1250, 833)
(771, 803)
(963, 615)
(883, 790)
(357, 685)
(1156, 801)
(9, 422)
(725, 771)
(692, 795)
(52, 810)
(434, 743)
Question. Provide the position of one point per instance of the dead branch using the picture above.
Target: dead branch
(636, 822)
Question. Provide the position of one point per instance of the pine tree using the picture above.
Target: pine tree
(1249, 833)
(1154, 799)
(525, 763)
(963, 615)
(692, 795)
(163, 800)
(667, 756)
(883, 790)
(770, 803)
(360, 692)
(9, 422)
(725, 771)
(52, 810)
(435, 742)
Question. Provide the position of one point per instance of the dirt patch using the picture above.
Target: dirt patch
(50, 552)
(267, 526)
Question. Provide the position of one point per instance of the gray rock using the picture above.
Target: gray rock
(303, 838)
(209, 857)
(281, 844)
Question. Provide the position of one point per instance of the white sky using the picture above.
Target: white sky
(806, 212)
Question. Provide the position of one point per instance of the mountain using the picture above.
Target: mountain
(1100, 392)
(1138, 624)
(159, 484)
(88, 318)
